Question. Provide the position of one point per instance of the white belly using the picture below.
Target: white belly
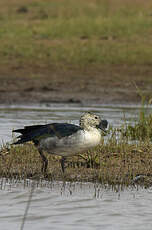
(91, 139)
(71, 145)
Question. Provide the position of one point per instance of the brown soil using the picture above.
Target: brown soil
(44, 84)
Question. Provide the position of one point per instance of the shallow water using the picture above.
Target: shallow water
(75, 206)
(70, 206)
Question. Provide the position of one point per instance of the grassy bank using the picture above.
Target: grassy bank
(77, 33)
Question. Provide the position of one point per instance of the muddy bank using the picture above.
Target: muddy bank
(96, 84)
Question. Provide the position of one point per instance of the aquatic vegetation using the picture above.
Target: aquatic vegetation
(141, 130)
(142, 127)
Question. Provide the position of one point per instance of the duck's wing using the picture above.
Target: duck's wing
(36, 133)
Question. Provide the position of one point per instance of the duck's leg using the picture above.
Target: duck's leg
(44, 162)
(62, 161)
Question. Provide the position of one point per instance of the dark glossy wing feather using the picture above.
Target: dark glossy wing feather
(37, 132)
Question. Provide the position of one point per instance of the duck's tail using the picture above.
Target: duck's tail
(29, 133)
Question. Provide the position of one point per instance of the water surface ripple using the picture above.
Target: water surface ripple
(75, 206)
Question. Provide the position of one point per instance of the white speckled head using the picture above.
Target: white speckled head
(89, 120)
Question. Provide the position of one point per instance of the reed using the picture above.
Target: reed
(142, 127)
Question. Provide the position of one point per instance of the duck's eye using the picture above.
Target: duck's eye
(96, 117)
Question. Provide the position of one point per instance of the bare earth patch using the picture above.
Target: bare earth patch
(45, 84)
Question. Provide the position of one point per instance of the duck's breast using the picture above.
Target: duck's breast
(92, 138)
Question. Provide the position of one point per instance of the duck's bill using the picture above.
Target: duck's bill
(103, 125)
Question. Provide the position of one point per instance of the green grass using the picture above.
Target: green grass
(142, 127)
(76, 33)
(141, 130)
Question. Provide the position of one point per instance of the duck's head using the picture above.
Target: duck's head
(91, 120)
